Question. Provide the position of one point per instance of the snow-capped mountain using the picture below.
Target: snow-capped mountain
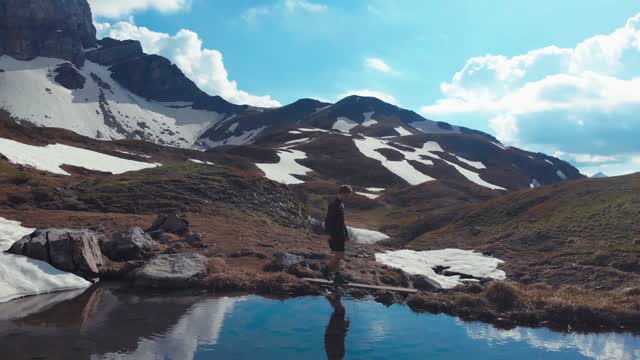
(110, 89)
(599, 175)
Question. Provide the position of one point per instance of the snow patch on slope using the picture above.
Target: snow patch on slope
(84, 110)
(561, 175)
(21, 276)
(201, 162)
(375, 189)
(296, 141)
(344, 124)
(368, 120)
(246, 137)
(51, 157)
(500, 146)
(403, 169)
(402, 131)
(459, 261)
(534, 183)
(370, 196)
(476, 164)
(284, 170)
(364, 236)
(406, 171)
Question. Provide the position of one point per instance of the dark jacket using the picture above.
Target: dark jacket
(334, 221)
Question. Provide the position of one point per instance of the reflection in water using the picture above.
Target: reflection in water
(110, 323)
(601, 347)
(336, 333)
(200, 326)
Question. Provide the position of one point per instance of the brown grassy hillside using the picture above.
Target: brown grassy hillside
(585, 233)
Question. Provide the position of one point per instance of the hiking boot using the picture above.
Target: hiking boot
(339, 280)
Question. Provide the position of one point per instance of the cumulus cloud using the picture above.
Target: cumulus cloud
(204, 66)
(378, 65)
(371, 93)
(122, 8)
(581, 100)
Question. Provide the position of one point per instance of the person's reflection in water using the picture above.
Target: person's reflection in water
(334, 336)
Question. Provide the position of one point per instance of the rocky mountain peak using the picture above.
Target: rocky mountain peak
(56, 28)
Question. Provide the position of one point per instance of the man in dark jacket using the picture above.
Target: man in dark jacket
(336, 228)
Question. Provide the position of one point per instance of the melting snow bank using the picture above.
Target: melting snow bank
(458, 261)
(364, 236)
(51, 157)
(284, 170)
(21, 276)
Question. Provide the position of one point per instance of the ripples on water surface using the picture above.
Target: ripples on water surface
(112, 323)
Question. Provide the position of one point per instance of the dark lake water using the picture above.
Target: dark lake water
(114, 323)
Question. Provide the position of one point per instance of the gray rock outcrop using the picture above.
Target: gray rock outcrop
(171, 222)
(69, 77)
(131, 244)
(113, 51)
(76, 251)
(172, 271)
(53, 28)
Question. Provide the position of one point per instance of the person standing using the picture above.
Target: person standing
(336, 228)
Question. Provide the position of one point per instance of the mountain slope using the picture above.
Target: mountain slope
(372, 162)
(580, 233)
(246, 127)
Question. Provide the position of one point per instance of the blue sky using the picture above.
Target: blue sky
(273, 52)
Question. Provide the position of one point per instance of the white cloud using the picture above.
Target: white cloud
(581, 100)
(122, 8)
(304, 5)
(252, 14)
(204, 66)
(284, 7)
(372, 93)
(378, 65)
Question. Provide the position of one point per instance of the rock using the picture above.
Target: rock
(475, 231)
(34, 246)
(195, 240)
(171, 222)
(316, 226)
(248, 253)
(283, 261)
(302, 271)
(69, 77)
(131, 244)
(55, 28)
(425, 283)
(76, 251)
(386, 298)
(155, 77)
(113, 51)
(172, 271)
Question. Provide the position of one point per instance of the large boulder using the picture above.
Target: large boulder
(131, 244)
(172, 271)
(73, 250)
